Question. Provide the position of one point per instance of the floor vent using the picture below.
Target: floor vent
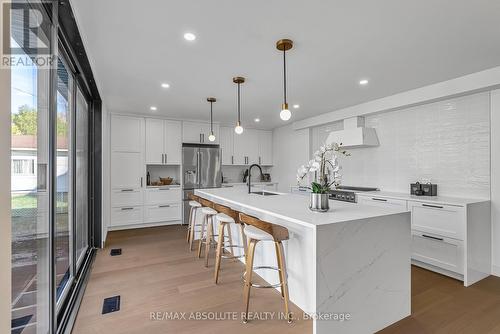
(116, 252)
(111, 304)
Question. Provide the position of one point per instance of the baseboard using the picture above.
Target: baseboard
(495, 270)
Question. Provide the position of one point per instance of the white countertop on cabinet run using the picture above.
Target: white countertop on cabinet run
(295, 208)
(445, 200)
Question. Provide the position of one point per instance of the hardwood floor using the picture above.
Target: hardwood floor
(157, 273)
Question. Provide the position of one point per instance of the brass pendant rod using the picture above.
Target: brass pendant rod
(284, 76)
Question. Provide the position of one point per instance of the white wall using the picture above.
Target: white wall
(290, 150)
(5, 223)
(495, 181)
(446, 142)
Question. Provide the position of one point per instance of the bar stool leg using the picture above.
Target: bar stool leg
(218, 255)
(209, 239)
(283, 278)
(190, 221)
(244, 239)
(248, 277)
(205, 219)
(278, 261)
(230, 239)
(191, 231)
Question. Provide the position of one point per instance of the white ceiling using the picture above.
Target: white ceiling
(398, 45)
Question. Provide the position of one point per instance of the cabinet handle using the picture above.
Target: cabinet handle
(200, 138)
(164, 206)
(433, 206)
(124, 190)
(259, 161)
(163, 188)
(379, 199)
(141, 181)
(162, 158)
(431, 237)
(124, 209)
(232, 160)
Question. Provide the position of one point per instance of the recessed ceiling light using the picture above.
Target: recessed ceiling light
(257, 120)
(363, 82)
(296, 106)
(153, 108)
(189, 36)
(165, 85)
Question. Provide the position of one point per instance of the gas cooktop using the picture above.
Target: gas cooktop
(348, 193)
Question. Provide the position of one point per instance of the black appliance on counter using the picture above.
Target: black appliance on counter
(348, 193)
(423, 189)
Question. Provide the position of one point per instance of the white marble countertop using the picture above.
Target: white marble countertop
(293, 207)
(458, 201)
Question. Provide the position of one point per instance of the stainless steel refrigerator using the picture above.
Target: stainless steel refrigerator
(201, 169)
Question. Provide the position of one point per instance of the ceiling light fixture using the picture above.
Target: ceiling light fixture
(238, 129)
(211, 137)
(363, 82)
(189, 36)
(165, 85)
(153, 108)
(296, 106)
(257, 120)
(284, 45)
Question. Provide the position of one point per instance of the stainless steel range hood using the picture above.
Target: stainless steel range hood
(354, 135)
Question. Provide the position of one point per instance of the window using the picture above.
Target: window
(23, 166)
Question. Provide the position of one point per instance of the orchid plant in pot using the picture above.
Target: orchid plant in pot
(326, 169)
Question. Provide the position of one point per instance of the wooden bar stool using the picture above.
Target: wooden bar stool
(194, 206)
(226, 217)
(258, 230)
(207, 237)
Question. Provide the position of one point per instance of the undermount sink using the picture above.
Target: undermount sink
(263, 193)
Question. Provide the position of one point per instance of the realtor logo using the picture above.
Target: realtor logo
(26, 32)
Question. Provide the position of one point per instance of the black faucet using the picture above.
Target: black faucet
(250, 176)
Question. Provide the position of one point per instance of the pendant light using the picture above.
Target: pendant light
(284, 45)
(211, 137)
(238, 129)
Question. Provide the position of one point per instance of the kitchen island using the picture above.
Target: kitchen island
(348, 268)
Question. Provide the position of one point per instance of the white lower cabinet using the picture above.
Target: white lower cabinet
(126, 197)
(130, 215)
(445, 220)
(439, 251)
(162, 213)
(382, 202)
(155, 196)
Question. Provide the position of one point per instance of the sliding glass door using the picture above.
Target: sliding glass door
(50, 177)
(30, 185)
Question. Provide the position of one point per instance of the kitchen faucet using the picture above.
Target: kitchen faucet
(250, 176)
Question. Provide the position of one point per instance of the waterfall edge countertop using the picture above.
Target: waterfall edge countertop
(354, 259)
(295, 208)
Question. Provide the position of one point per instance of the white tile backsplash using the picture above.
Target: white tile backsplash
(446, 142)
(235, 173)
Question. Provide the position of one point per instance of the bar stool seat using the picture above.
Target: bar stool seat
(255, 233)
(194, 204)
(208, 211)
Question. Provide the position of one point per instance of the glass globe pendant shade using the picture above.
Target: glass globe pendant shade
(285, 114)
(238, 129)
(211, 137)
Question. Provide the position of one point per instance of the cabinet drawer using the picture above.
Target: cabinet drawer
(162, 196)
(126, 216)
(445, 220)
(442, 252)
(126, 197)
(382, 202)
(164, 212)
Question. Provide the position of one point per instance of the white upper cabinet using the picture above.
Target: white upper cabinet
(154, 141)
(252, 146)
(265, 148)
(173, 142)
(227, 144)
(198, 132)
(127, 152)
(127, 133)
(163, 141)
